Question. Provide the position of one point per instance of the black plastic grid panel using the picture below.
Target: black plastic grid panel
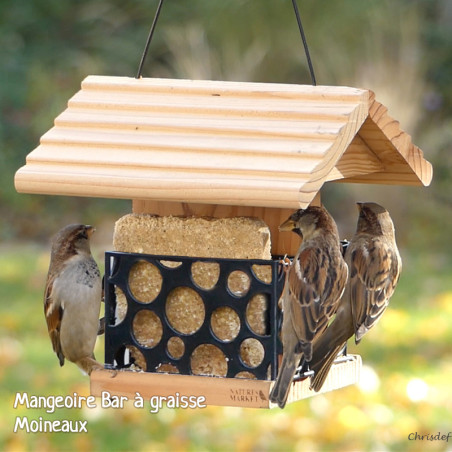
(118, 337)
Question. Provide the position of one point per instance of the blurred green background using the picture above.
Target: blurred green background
(402, 50)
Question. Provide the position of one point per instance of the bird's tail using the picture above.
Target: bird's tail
(280, 390)
(322, 367)
(329, 344)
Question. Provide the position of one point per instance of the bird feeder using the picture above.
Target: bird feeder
(189, 150)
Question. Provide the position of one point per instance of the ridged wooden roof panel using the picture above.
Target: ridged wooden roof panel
(250, 144)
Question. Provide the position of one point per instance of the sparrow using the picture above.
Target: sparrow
(374, 267)
(72, 297)
(313, 286)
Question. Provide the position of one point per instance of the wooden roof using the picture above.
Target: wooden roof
(230, 143)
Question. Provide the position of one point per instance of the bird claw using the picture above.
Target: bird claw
(112, 372)
(285, 261)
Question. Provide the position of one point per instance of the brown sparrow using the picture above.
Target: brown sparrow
(314, 284)
(374, 267)
(72, 297)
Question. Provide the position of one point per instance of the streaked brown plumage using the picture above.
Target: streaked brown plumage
(374, 269)
(72, 297)
(314, 284)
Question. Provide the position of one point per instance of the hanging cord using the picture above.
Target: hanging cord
(148, 42)
(300, 27)
(305, 43)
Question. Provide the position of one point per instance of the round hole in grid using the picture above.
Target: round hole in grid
(246, 374)
(147, 328)
(185, 310)
(257, 314)
(225, 323)
(167, 368)
(252, 352)
(175, 347)
(145, 281)
(262, 273)
(130, 357)
(121, 306)
(239, 283)
(205, 274)
(207, 359)
(171, 264)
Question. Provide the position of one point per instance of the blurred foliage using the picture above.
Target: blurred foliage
(405, 384)
(401, 50)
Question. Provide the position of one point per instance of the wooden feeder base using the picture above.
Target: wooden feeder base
(216, 390)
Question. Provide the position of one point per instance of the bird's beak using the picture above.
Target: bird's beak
(360, 205)
(90, 230)
(288, 225)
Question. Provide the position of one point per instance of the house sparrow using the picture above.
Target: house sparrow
(72, 297)
(314, 283)
(374, 266)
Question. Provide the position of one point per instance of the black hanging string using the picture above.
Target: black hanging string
(300, 27)
(305, 43)
(151, 33)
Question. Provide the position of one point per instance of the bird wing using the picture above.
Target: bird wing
(374, 273)
(315, 288)
(54, 315)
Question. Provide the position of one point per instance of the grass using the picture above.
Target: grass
(405, 386)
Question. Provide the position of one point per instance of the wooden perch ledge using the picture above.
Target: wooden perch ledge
(216, 390)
